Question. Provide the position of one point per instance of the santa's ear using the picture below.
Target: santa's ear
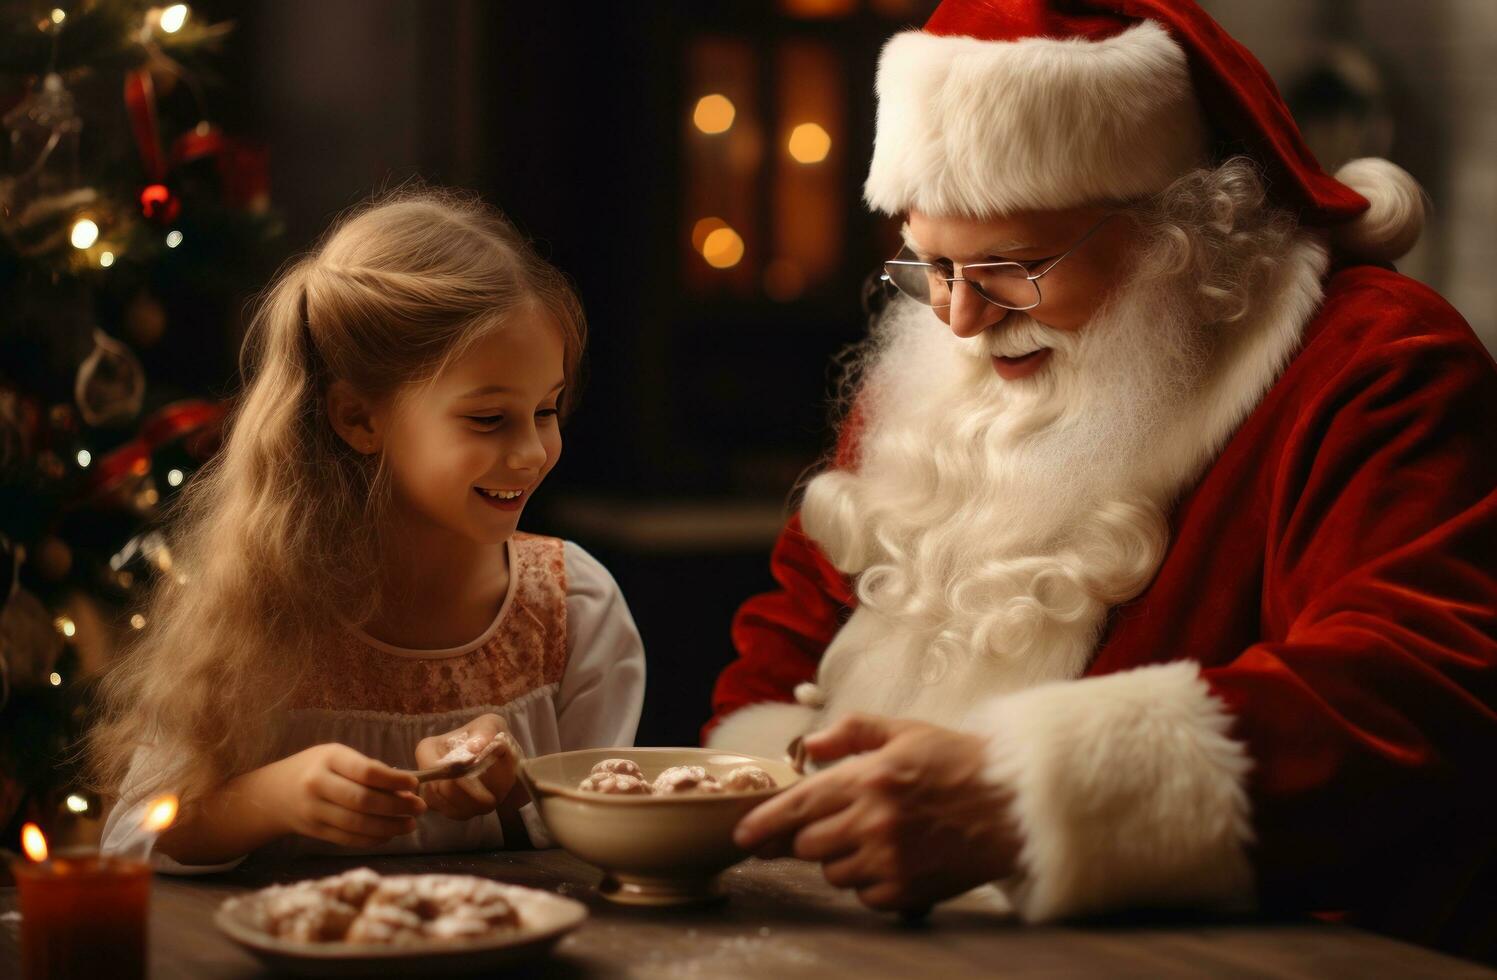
(353, 417)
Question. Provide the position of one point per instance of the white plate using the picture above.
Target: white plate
(544, 919)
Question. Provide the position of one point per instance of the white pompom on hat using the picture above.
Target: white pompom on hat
(997, 106)
(1395, 214)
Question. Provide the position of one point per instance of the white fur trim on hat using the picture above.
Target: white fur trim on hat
(765, 729)
(1127, 791)
(1391, 226)
(981, 128)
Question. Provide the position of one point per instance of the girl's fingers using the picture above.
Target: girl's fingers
(362, 823)
(499, 777)
(334, 835)
(370, 772)
(446, 801)
(471, 790)
(361, 799)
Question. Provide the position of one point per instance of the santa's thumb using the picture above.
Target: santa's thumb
(853, 734)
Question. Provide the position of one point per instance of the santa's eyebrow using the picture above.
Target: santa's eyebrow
(993, 249)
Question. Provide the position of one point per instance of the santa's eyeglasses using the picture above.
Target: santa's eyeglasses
(1011, 285)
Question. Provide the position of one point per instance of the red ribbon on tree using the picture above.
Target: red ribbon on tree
(173, 422)
(140, 105)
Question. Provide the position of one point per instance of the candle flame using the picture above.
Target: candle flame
(34, 842)
(160, 814)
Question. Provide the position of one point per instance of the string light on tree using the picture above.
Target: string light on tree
(106, 259)
(67, 628)
(84, 458)
(138, 622)
(173, 17)
(173, 238)
(174, 478)
(84, 233)
(76, 803)
(59, 15)
(55, 679)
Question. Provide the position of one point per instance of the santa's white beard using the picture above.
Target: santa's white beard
(999, 520)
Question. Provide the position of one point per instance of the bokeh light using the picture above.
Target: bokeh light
(723, 249)
(809, 143)
(84, 234)
(714, 114)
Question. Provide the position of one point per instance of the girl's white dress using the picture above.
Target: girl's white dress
(562, 664)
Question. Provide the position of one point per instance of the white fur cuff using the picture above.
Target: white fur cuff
(1126, 790)
(763, 729)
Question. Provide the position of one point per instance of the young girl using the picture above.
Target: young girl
(348, 589)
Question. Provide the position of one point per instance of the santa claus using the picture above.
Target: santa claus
(1154, 566)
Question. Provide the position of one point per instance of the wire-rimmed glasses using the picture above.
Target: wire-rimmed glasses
(1010, 285)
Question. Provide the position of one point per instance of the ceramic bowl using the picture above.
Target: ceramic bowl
(654, 850)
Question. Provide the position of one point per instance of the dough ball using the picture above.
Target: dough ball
(746, 779)
(624, 767)
(687, 779)
(616, 783)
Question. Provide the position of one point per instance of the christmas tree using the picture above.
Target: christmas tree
(132, 228)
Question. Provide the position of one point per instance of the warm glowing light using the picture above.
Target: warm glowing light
(85, 233)
(138, 621)
(65, 626)
(59, 15)
(702, 229)
(106, 259)
(77, 804)
(55, 679)
(160, 814)
(173, 17)
(34, 842)
(173, 239)
(85, 457)
(723, 249)
(714, 114)
(809, 143)
(174, 477)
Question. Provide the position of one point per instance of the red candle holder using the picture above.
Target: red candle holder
(83, 914)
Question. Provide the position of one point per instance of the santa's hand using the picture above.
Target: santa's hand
(469, 796)
(908, 823)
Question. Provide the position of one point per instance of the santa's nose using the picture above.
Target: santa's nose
(970, 314)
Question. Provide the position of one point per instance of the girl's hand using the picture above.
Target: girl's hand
(336, 794)
(470, 796)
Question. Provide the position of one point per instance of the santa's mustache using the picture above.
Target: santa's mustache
(1015, 335)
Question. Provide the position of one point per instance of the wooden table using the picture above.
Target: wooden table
(781, 920)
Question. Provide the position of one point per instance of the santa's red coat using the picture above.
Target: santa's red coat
(1333, 574)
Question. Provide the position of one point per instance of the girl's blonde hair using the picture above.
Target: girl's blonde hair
(277, 539)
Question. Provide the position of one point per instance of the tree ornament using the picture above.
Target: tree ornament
(111, 384)
(159, 205)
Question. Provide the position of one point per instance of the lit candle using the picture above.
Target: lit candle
(85, 914)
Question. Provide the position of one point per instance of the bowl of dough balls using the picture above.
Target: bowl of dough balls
(659, 822)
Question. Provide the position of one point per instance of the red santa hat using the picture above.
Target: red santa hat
(1004, 105)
